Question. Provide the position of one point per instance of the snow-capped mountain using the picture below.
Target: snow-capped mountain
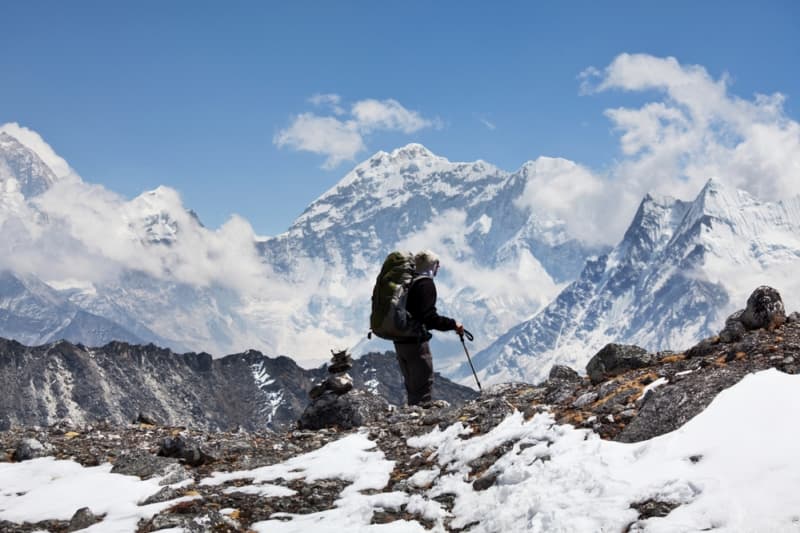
(150, 265)
(670, 282)
(34, 313)
(109, 269)
(500, 261)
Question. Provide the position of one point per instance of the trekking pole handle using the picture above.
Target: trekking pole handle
(470, 337)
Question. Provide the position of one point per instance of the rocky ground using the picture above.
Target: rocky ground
(628, 395)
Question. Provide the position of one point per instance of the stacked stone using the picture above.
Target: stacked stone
(334, 403)
(339, 382)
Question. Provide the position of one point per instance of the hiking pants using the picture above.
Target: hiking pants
(416, 364)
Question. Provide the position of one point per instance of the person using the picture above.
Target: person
(414, 353)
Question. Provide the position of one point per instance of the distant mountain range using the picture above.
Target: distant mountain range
(318, 275)
(83, 264)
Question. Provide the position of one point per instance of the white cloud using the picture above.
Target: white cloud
(342, 139)
(372, 115)
(328, 100)
(90, 233)
(567, 190)
(34, 141)
(329, 136)
(486, 122)
(693, 130)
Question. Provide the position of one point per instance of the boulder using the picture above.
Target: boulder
(185, 449)
(145, 465)
(345, 411)
(614, 359)
(764, 309)
(146, 418)
(734, 330)
(82, 519)
(584, 400)
(703, 348)
(30, 449)
(563, 372)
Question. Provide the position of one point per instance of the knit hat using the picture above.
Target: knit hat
(426, 262)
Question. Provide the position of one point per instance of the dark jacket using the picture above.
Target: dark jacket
(421, 304)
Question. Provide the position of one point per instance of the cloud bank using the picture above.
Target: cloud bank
(694, 129)
(342, 137)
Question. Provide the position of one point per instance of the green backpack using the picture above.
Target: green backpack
(389, 319)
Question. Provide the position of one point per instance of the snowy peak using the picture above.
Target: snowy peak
(21, 169)
(717, 201)
(413, 151)
(654, 224)
(157, 216)
(393, 180)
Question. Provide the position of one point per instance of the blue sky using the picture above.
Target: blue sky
(195, 95)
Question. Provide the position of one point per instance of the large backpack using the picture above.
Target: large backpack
(389, 319)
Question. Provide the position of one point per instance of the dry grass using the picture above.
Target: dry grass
(576, 418)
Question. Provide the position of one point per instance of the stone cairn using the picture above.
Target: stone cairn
(334, 403)
(339, 381)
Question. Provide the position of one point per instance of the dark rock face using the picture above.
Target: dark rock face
(764, 309)
(670, 406)
(614, 359)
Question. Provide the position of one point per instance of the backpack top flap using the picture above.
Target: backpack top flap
(390, 287)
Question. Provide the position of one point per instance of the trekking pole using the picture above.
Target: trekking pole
(470, 338)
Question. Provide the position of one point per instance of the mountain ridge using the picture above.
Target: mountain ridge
(116, 382)
(662, 285)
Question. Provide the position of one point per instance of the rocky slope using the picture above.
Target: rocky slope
(628, 395)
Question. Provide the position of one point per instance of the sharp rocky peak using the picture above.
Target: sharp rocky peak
(719, 199)
(24, 166)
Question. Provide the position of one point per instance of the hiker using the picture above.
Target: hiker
(414, 353)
